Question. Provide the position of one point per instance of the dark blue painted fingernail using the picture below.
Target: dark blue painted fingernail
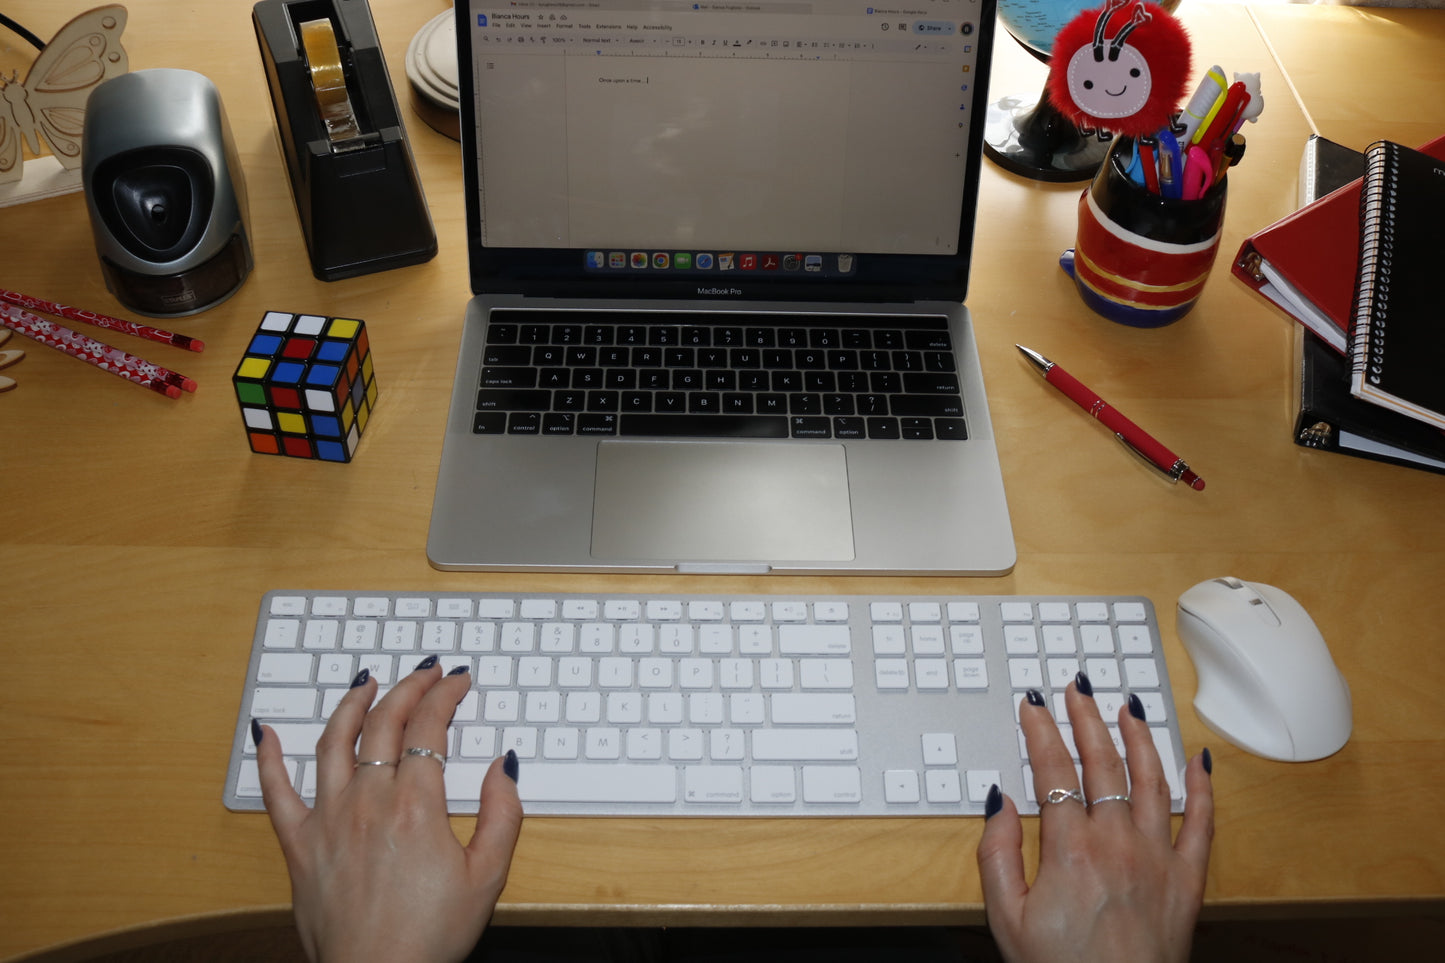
(426, 663)
(993, 803)
(256, 732)
(1035, 698)
(1208, 759)
(510, 765)
(459, 670)
(361, 678)
(1082, 683)
(1136, 707)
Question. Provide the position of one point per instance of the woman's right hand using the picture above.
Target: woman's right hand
(1111, 884)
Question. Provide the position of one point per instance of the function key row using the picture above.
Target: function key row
(728, 336)
(611, 610)
(1010, 611)
(698, 610)
(937, 384)
(805, 359)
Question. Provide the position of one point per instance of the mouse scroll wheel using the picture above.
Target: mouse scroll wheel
(1229, 581)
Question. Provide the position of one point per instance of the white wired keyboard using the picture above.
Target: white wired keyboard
(715, 705)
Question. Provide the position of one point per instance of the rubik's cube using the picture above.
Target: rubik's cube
(306, 386)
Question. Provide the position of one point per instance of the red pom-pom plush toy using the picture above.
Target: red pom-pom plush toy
(1123, 67)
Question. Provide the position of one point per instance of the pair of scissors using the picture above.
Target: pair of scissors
(1135, 170)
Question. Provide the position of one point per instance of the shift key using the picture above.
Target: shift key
(795, 745)
(813, 708)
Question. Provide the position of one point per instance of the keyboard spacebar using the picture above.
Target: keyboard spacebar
(705, 426)
(593, 782)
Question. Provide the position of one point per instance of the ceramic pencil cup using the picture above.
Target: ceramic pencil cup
(1141, 258)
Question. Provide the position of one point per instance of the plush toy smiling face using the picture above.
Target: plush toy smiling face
(1121, 67)
(1111, 87)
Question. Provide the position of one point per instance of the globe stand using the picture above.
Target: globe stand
(1032, 139)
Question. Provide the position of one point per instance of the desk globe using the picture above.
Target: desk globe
(1027, 135)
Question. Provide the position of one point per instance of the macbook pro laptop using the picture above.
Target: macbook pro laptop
(719, 253)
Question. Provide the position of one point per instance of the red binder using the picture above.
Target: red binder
(1313, 256)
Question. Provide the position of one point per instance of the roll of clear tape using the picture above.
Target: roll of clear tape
(328, 80)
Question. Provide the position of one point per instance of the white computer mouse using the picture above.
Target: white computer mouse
(1267, 682)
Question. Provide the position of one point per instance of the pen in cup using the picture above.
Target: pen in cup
(1148, 160)
(1218, 129)
(1210, 89)
(1171, 165)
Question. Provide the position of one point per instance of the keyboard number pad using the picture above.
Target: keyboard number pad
(1044, 645)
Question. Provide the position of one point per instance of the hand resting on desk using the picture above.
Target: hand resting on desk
(1111, 885)
(376, 873)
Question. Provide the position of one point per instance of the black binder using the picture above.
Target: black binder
(1331, 419)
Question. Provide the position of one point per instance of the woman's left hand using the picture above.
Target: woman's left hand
(376, 872)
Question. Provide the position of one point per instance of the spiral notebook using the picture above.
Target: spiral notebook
(1397, 336)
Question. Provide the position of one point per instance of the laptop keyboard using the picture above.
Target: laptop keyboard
(720, 376)
(715, 705)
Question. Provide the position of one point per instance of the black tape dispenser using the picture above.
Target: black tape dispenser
(357, 192)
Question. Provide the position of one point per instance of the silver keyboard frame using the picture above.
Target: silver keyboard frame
(889, 724)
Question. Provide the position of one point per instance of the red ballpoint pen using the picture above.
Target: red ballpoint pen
(1129, 433)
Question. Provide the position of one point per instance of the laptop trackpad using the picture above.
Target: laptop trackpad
(712, 502)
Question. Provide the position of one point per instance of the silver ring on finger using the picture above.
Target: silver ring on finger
(373, 762)
(1123, 798)
(428, 753)
(1055, 796)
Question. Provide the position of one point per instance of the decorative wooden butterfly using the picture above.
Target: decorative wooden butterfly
(51, 101)
(7, 358)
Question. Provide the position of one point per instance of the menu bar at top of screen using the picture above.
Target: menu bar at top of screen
(666, 29)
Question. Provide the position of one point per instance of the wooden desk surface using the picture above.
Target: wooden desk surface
(138, 534)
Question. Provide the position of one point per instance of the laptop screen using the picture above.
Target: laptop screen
(793, 149)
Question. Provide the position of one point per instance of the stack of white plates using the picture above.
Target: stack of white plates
(431, 66)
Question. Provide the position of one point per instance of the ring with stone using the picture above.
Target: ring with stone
(1063, 795)
(428, 753)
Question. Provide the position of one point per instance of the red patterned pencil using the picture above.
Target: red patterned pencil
(102, 320)
(87, 349)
